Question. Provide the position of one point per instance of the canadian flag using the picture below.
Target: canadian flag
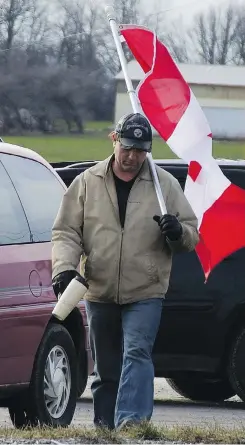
(171, 107)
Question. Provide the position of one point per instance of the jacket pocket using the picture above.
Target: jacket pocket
(96, 267)
(151, 268)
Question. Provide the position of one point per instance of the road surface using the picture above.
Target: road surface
(170, 409)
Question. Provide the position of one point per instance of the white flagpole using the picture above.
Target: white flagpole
(134, 100)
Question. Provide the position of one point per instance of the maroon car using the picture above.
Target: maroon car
(44, 363)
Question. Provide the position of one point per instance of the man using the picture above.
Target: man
(110, 215)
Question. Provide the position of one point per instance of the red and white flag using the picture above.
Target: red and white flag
(171, 107)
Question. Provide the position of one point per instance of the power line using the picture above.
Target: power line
(177, 7)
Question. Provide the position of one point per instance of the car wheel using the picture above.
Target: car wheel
(22, 415)
(54, 378)
(199, 388)
(237, 364)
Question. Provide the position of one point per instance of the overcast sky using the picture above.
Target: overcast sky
(186, 8)
(170, 9)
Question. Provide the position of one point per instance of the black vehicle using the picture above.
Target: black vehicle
(200, 347)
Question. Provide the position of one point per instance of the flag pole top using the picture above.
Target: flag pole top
(110, 12)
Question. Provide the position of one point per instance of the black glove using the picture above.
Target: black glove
(61, 281)
(169, 226)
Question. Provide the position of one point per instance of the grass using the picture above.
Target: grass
(98, 125)
(65, 148)
(145, 432)
(97, 146)
(89, 126)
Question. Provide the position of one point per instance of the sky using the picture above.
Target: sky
(186, 8)
(169, 8)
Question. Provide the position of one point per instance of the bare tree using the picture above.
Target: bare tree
(77, 33)
(127, 11)
(213, 35)
(239, 56)
(177, 41)
(12, 97)
(39, 26)
(13, 14)
(64, 71)
(156, 21)
(177, 47)
(23, 30)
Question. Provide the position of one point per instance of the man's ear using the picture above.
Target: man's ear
(113, 137)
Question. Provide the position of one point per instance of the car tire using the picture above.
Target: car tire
(237, 364)
(55, 371)
(22, 415)
(199, 388)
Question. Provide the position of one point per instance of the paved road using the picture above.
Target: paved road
(170, 409)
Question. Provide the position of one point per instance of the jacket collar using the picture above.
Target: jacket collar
(103, 168)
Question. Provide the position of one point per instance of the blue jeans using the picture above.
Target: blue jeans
(122, 338)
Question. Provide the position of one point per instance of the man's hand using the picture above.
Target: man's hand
(61, 281)
(169, 226)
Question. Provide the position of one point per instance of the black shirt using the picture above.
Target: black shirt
(123, 189)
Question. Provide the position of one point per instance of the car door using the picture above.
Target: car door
(14, 277)
(40, 192)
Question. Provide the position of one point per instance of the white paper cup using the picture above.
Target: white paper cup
(74, 292)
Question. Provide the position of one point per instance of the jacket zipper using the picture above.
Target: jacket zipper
(120, 256)
(119, 269)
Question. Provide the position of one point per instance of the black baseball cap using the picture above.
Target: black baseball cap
(134, 131)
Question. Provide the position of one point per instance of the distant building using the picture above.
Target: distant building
(219, 89)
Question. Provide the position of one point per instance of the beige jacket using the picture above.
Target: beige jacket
(121, 266)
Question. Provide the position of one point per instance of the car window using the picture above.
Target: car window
(13, 223)
(178, 171)
(236, 176)
(40, 193)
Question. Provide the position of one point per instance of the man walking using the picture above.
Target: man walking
(109, 215)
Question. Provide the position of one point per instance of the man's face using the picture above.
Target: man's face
(128, 160)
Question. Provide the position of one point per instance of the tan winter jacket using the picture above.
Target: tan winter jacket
(121, 266)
